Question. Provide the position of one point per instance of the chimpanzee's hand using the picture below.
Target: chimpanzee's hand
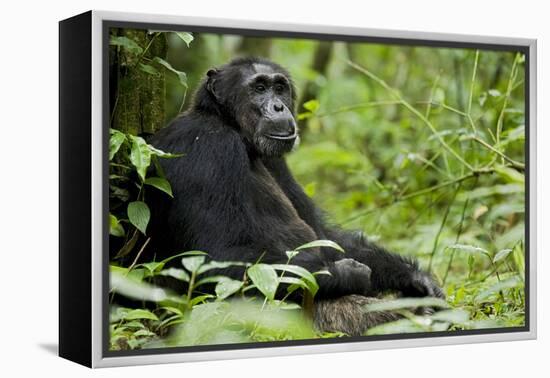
(421, 284)
(356, 274)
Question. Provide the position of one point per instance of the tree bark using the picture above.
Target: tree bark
(320, 63)
(138, 102)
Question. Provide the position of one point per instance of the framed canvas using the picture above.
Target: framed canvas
(233, 189)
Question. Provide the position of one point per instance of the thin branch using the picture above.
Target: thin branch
(350, 108)
(413, 110)
(472, 82)
(511, 80)
(457, 239)
(515, 164)
(139, 254)
(421, 192)
(442, 225)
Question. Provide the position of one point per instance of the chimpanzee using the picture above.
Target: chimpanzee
(236, 199)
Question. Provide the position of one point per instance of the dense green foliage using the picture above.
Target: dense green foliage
(422, 149)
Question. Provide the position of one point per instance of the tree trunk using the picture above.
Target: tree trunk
(320, 63)
(138, 101)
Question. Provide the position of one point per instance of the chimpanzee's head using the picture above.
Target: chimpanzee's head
(259, 97)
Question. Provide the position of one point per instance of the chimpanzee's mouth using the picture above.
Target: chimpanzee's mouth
(283, 136)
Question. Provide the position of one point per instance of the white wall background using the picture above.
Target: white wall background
(28, 185)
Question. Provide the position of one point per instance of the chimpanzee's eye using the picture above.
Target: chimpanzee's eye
(279, 88)
(260, 88)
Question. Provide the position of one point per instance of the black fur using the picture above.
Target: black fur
(236, 199)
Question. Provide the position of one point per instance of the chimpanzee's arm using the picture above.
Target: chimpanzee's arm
(390, 272)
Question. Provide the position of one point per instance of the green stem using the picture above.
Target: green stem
(413, 110)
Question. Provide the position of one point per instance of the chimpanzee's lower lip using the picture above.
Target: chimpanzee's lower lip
(282, 137)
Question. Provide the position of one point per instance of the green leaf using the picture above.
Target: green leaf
(178, 274)
(152, 267)
(510, 283)
(181, 75)
(291, 254)
(193, 263)
(510, 175)
(139, 215)
(149, 69)
(185, 37)
(140, 155)
(140, 314)
(115, 228)
(265, 278)
(129, 44)
(454, 316)
(405, 303)
(321, 243)
(200, 299)
(227, 287)
(162, 154)
(186, 253)
(141, 291)
(220, 265)
(309, 279)
(311, 105)
(115, 141)
(501, 255)
(161, 184)
(468, 248)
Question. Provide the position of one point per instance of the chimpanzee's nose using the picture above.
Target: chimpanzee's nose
(278, 107)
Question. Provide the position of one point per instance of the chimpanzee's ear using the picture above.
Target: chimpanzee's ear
(212, 75)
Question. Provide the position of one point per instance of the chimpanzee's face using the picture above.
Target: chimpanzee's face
(260, 97)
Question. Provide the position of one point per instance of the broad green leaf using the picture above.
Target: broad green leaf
(115, 228)
(140, 314)
(321, 243)
(501, 255)
(144, 332)
(291, 254)
(140, 155)
(181, 75)
(309, 279)
(185, 37)
(152, 267)
(128, 44)
(186, 253)
(454, 316)
(149, 69)
(220, 265)
(178, 274)
(116, 138)
(265, 278)
(227, 287)
(161, 184)
(468, 248)
(510, 283)
(311, 105)
(139, 215)
(210, 279)
(141, 291)
(510, 175)
(405, 303)
(300, 283)
(193, 263)
(165, 155)
(200, 299)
